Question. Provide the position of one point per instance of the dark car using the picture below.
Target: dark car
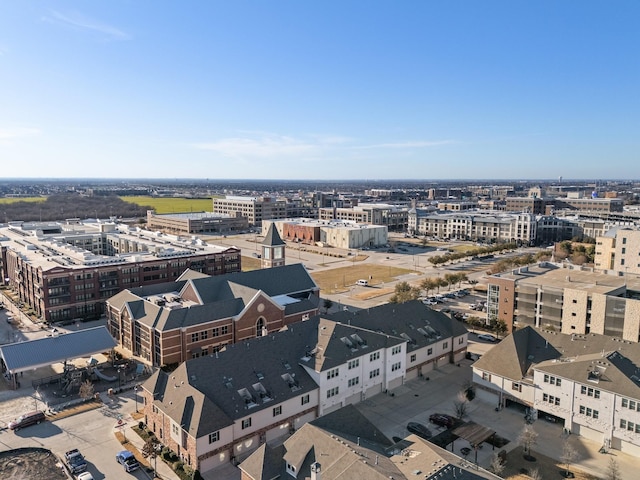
(420, 430)
(442, 420)
(31, 418)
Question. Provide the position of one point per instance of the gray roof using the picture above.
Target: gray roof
(574, 357)
(412, 321)
(256, 374)
(272, 238)
(59, 348)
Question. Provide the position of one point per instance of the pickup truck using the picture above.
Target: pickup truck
(75, 461)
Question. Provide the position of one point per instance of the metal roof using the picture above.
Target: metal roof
(43, 352)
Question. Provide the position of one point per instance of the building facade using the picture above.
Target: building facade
(66, 272)
(196, 223)
(254, 209)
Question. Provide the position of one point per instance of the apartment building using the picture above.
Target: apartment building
(567, 300)
(254, 209)
(618, 250)
(394, 217)
(588, 382)
(220, 407)
(196, 223)
(198, 315)
(66, 272)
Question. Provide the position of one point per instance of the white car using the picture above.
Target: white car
(85, 476)
(487, 337)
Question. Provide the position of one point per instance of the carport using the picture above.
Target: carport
(23, 356)
(474, 434)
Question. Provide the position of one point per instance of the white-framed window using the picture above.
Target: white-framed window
(590, 392)
(354, 381)
(396, 366)
(246, 423)
(304, 399)
(396, 350)
(277, 410)
(353, 364)
(214, 437)
(412, 358)
(374, 356)
(332, 392)
(486, 376)
(332, 373)
(374, 373)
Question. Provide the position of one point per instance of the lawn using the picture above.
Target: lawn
(172, 205)
(341, 279)
(8, 200)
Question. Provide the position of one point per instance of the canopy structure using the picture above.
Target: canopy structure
(473, 433)
(23, 356)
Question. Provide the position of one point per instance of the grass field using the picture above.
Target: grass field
(340, 279)
(8, 200)
(250, 263)
(172, 205)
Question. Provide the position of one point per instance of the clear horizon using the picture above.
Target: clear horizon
(284, 91)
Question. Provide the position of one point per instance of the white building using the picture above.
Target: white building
(590, 382)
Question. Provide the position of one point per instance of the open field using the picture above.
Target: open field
(340, 279)
(250, 263)
(172, 205)
(6, 201)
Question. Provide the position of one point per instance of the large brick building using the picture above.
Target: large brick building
(66, 271)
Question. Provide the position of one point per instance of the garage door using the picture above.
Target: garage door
(215, 461)
(587, 432)
(442, 361)
(373, 390)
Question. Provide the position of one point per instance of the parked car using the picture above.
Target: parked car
(127, 460)
(85, 476)
(487, 337)
(442, 420)
(31, 418)
(420, 430)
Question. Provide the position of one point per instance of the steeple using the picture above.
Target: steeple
(273, 248)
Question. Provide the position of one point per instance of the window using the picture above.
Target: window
(395, 350)
(486, 376)
(332, 373)
(224, 330)
(516, 386)
(374, 373)
(246, 423)
(460, 340)
(214, 437)
(429, 351)
(277, 410)
(354, 363)
(551, 399)
(305, 399)
(354, 381)
(396, 366)
(413, 358)
(374, 356)
(445, 345)
(175, 429)
(590, 392)
(552, 380)
(204, 335)
(194, 337)
(332, 392)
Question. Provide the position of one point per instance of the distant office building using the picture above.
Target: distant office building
(66, 272)
(393, 217)
(590, 204)
(534, 205)
(345, 235)
(196, 223)
(254, 209)
(457, 206)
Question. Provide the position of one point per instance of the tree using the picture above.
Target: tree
(568, 457)
(327, 304)
(528, 438)
(460, 404)
(450, 278)
(613, 470)
(404, 293)
(496, 466)
(150, 450)
(469, 390)
(429, 284)
(535, 474)
(86, 390)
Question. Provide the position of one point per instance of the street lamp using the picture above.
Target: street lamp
(135, 396)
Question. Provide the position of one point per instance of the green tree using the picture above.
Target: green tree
(327, 304)
(404, 293)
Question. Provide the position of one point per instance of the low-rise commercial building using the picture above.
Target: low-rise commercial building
(196, 223)
(394, 217)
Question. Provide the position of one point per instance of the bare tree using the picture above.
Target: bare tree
(613, 470)
(569, 456)
(535, 474)
(496, 466)
(86, 389)
(150, 450)
(528, 438)
(460, 404)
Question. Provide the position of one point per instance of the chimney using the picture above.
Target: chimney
(316, 471)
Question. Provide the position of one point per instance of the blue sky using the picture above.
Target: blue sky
(320, 90)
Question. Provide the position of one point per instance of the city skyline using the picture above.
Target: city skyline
(286, 91)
